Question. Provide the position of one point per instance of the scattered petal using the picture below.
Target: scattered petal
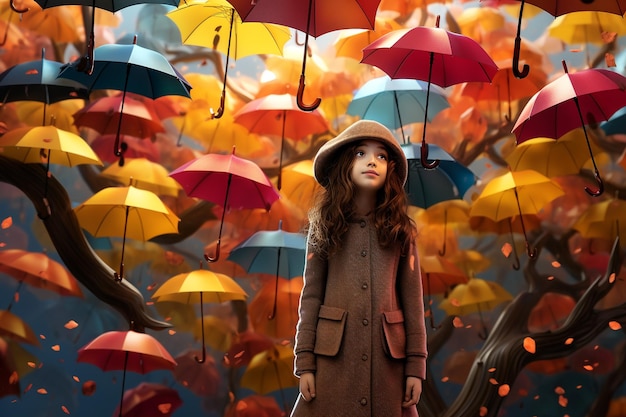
(171, 332)
(562, 401)
(504, 390)
(89, 387)
(588, 367)
(506, 249)
(70, 325)
(483, 411)
(614, 325)
(42, 391)
(556, 264)
(457, 322)
(569, 340)
(529, 345)
(493, 381)
(612, 278)
(56, 348)
(491, 370)
(445, 379)
(65, 410)
(31, 364)
(7, 222)
(559, 390)
(14, 378)
(75, 378)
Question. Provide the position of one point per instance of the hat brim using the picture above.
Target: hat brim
(358, 131)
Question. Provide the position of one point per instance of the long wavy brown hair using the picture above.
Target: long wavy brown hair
(333, 207)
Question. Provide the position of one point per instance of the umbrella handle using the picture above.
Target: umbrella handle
(600, 189)
(518, 46)
(220, 110)
(86, 63)
(306, 107)
(16, 10)
(424, 157)
(532, 252)
(217, 253)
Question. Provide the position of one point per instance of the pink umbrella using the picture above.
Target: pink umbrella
(592, 94)
(229, 180)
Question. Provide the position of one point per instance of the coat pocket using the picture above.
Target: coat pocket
(330, 326)
(394, 335)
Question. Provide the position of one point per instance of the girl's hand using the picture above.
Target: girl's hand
(413, 391)
(307, 386)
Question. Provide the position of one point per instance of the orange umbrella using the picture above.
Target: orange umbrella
(143, 174)
(299, 185)
(550, 312)
(282, 324)
(254, 406)
(439, 276)
(279, 115)
(15, 328)
(350, 42)
(453, 213)
(38, 270)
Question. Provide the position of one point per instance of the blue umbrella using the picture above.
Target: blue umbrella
(616, 123)
(272, 252)
(37, 81)
(129, 68)
(427, 186)
(397, 102)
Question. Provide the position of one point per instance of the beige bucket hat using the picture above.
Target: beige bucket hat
(360, 130)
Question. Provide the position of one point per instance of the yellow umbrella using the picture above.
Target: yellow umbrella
(143, 174)
(57, 23)
(447, 213)
(216, 24)
(586, 27)
(473, 21)
(299, 185)
(126, 212)
(270, 370)
(477, 295)
(47, 144)
(350, 42)
(516, 193)
(198, 287)
(604, 220)
(553, 158)
(32, 113)
(15, 328)
(217, 332)
(470, 261)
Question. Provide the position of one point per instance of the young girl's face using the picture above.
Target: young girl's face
(369, 170)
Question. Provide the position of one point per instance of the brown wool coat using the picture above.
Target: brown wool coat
(354, 376)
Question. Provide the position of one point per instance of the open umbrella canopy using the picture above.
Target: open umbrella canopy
(477, 295)
(271, 370)
(14, 328)
(603, 220)
(149, 398)
(350, 42)
(39, 271)
(200, 284)
(586, 27)
(143, 174)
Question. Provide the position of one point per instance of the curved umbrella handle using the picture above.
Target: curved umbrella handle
(306, 107)
(297, 39)
(523, 73)
(86, 63)
(217, 253)
(600, 189)
(16, 10)
(424, 157)
(532, 252)
(220, 110)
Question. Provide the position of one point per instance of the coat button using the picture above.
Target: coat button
(364, 253)
(363, 401)
(365, 322)
(363, 223)
(364, 286)
(364, 357)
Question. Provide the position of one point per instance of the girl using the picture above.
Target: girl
(361, 340)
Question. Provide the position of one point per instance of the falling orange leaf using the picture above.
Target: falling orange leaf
(529, 345)
(614, 325)
(556, 264)
(562, 401)
(6, 223)
(31, 364)
(165, 408)
(609, 60)
(588, 367)
(56, 348)
(483, 411)
(445, 379)
(70, 325)
(504, 390)
(569, 340)
(65, 410)
(75, 378)
(42, 337)
(457, 322)
(14, 378)
(506, 249)
(491, 370)
(42, 391)
(171, 332)
(559, 390)
(608, 37)
(493, 381)
(612, 278)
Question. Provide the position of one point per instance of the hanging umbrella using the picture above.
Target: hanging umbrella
(516, 193)
(272, 252)
(279, 115)
(149, 398)
(350, 42)
(200, 286)
(314, 18)
(203, 379)
(201, 23)
(449, 179)
(435, 55)
(452, 212)
(86, 63)
(550, 312)
(218, 333)
(133, 117)
(143, 174)
(126, 212)
(39, 271)
(270, 371)
(134, 147)
(603, 220)
(245, 346)
(254, 406)
(37, 81)
(396, 102)
(129, 68)
(228, 180)
(475, 296)
(299, 185)
(13, 327)
(593, 95)
(553, 158)
(558, 8)
(47, 144)
(267, 301)
(31, 113)
(127, 351)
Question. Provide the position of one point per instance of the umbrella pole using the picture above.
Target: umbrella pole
(118, 148)
(523, 73)
(484, 333)
(203, 359)
(86, 63)
(273, 315)
(280, 386)
(531, 252)
(219, 236)
(119, 277)
(599, 181)
(45, 189)
(430, 302)
(123, 381)
(395, 99)
(424, 149)
(442, 251)
(282, 145)
(516, 265)
(220, 110)
(316, 103)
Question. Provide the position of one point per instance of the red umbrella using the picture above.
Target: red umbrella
(134, 147)
(128, 351)
(279, 115)
(149, 399)
(314, 18)
(430, 54)
(592, 94)
(228, 180)
(203, 379)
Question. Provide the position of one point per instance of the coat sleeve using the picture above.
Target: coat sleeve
(411, 295)
(311, 298)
